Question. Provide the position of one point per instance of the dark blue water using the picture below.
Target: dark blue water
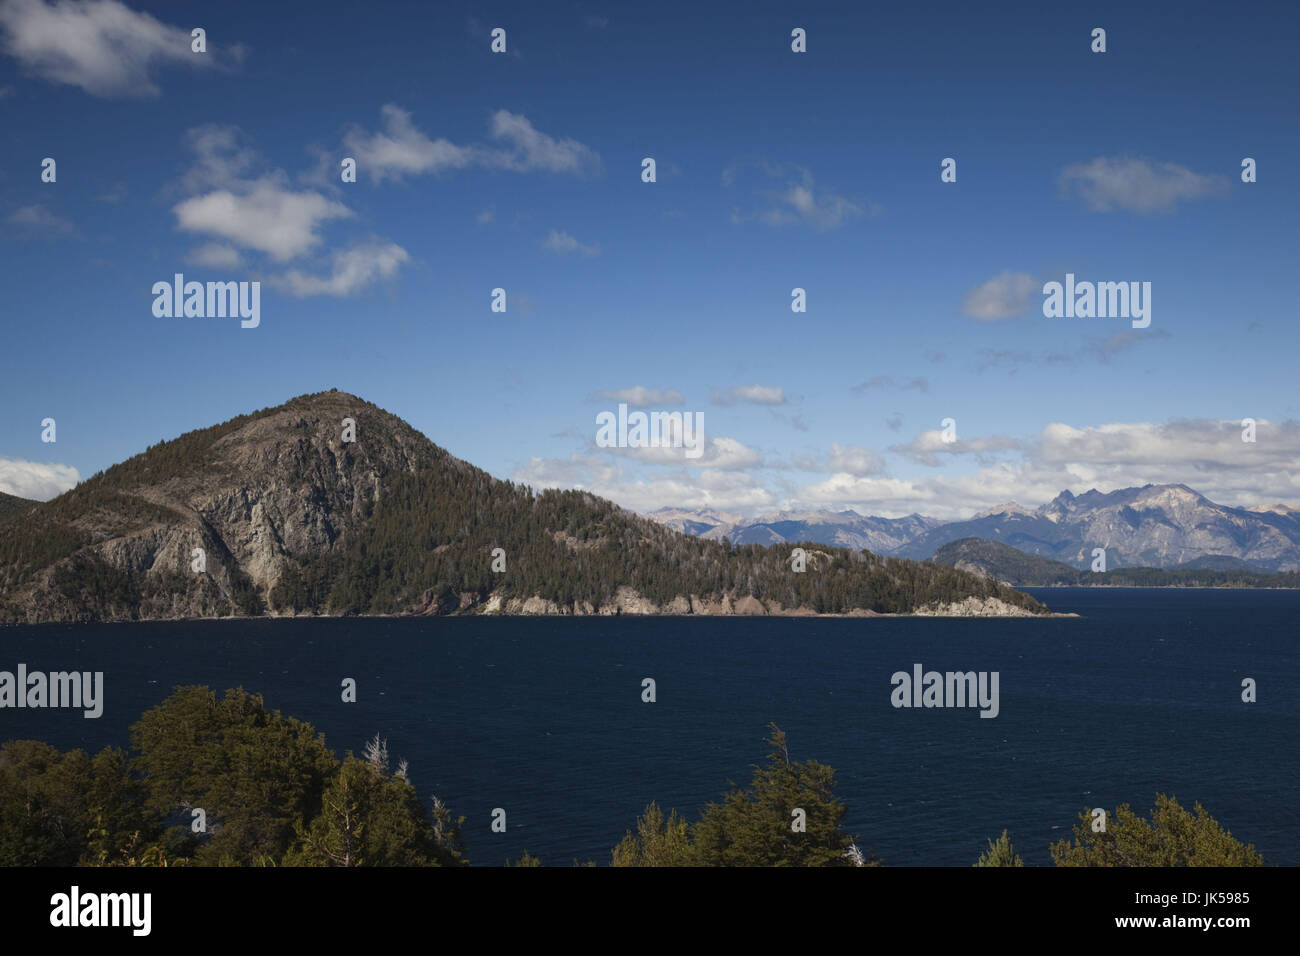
(544, 717)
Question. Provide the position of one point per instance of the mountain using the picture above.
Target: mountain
(1001, 562)
(1277, 508)
(9, 504)
(993, 559)
(1161, 526)
(1221, 562)
(701, 524)
(286, 518)
(842, 529)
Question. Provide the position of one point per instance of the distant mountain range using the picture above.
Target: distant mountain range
(1161, 526)
(1001, 562)
(842, 529)
(328, 505)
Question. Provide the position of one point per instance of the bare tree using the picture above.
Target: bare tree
(376, 754)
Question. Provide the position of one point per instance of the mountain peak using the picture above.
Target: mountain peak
(1178, 495)
(1278, 508)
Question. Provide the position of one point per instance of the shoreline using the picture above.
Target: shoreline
(1153, 587)
(860, 616)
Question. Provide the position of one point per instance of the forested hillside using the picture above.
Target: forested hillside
(276, 512)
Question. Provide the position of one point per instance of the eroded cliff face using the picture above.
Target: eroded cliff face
(974, 607)
(280, 488)
(629, 601)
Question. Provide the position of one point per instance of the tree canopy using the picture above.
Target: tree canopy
(1172, 837)
(787, 816)
(270, 790)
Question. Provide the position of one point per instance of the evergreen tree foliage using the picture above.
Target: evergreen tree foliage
(1000, 853)
(1172, 837)
(256, 774)
(369, 818)
(59, 808)
(658, 841)
(272, 792)
(753, 826)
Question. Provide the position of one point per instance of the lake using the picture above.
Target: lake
(544, 716)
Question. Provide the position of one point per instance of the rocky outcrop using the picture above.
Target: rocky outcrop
(279, 488)
(631, 603)
(974, 607)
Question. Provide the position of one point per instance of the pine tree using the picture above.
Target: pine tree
(657, 841)
(1000, 853)
(756, 826)
(1172, 837)
(258, 775)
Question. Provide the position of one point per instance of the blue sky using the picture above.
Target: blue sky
(776, 170)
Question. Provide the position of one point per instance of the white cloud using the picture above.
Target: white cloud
(353, 269)
(30, 479)
(101, 46)
(222, 158)
(711, 488)
(260, 213)
(928, 445)
(982, 472)
(576, 471)
(115, 194)
(757, 394)
(854, 460)
(530, 149)
(1002, 297)
(401, 149)
(1138, 185)
(1201, 443)
(561, 243)
(949, 498)
(722, 453)
(267, 217)
(1206, 455)
(825, 211)
(642, 397)
(214, 255)
(888, 381)
(35, 220)
(799, 201)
